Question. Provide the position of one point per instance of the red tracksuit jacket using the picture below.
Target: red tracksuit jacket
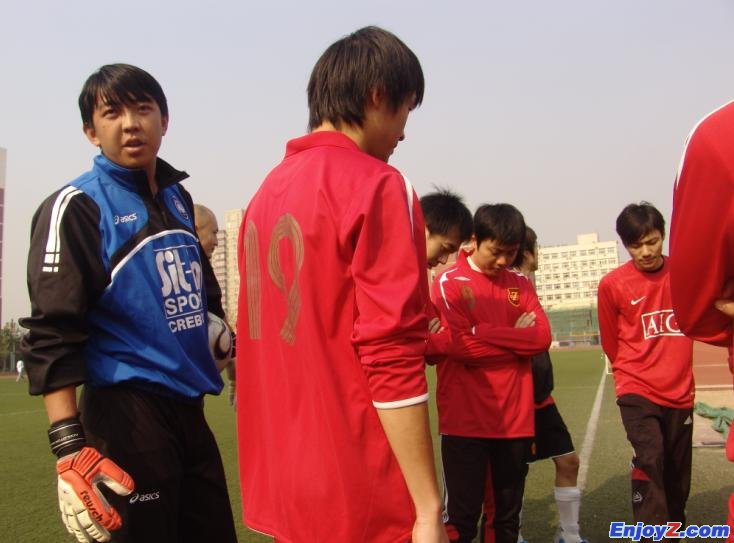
(485, 387)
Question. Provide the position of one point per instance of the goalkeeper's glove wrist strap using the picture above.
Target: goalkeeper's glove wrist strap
(66, 436)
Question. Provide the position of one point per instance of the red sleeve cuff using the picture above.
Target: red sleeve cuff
(397, 384)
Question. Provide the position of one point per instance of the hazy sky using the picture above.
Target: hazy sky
(567, 109)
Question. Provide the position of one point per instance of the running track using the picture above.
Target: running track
(710, 367)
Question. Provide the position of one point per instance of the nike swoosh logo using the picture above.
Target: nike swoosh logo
(637, 301)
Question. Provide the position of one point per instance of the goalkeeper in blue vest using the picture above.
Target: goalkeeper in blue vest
(119, 304)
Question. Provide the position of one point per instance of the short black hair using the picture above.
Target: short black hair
(502, 223)
(350, 69)
(637, 220)
(117, 84)
(528, 244)
(443, 211)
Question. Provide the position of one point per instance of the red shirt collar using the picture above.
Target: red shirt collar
(319, 139)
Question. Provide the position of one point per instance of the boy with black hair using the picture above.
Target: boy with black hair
(485, 387)
(448, 225)
(552, 439)
(118, 304)
(652, 365)
(331, 391)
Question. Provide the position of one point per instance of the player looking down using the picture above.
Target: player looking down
(652, 366)
(331, 391)
(448, 225)
(485, 387)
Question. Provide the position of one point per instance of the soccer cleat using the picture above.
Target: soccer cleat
(560, 537)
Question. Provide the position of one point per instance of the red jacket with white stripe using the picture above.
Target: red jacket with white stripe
(485, 387)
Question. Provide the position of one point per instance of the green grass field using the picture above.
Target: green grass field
(28, 506)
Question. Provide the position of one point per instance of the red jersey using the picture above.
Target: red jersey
(331, 325)
(485, 387)
(702, 227)
(639, 333)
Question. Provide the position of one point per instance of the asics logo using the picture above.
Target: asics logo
(151, 496)
(637, 301)
(122, 219)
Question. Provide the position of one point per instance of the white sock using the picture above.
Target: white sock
(519, 535)
(568, 499)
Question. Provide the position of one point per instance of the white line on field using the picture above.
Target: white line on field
(588, 445)
(22, 412)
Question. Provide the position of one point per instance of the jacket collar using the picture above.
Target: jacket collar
(165, 174)
(318, 139)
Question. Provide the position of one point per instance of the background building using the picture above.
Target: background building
(219, 263)
(567, 280)
(224, 261)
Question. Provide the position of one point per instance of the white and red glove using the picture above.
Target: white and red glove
(84, 510)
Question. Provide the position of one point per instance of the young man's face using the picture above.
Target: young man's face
(383, 128)
(129, 134)
(440, 246)
(647, 252)
(491, 257)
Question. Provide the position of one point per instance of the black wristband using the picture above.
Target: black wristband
(66, 436)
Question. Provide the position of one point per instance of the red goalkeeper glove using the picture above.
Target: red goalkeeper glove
(84, 510)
